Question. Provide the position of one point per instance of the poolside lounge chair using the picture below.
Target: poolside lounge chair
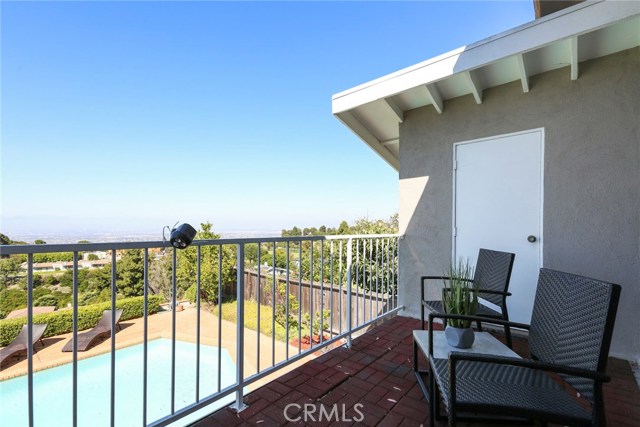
(101, 330)
(20, 343)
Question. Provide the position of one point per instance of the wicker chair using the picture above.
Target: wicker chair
(569, 335)
(492, 275)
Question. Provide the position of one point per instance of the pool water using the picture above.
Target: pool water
(53, 388)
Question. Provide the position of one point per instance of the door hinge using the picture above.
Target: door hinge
(455, 165)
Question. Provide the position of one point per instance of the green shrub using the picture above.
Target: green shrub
(12, 299)
(89, 298)
(62, 298)
(61, 322)
(190, 293)
(320, 322)
(46, 300)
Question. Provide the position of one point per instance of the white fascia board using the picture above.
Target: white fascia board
(574, 21)
(350, 121)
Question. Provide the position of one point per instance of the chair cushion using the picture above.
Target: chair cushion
(508, 390)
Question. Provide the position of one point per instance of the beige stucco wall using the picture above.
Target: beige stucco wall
(591, 215)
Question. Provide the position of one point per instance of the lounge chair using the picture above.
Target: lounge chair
(101, 330)
(20, 343)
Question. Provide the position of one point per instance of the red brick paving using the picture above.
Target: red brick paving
(377, 372)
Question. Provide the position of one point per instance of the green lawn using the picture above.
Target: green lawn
(230, 310)
(48, 273)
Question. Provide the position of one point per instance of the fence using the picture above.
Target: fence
(369, 305)
(346, 281)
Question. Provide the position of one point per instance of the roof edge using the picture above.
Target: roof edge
(572, 21)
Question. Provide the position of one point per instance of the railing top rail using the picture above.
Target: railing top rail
(359, 236)
(107, 246)
(80, 247)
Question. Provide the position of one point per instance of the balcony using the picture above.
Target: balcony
(362, 352)
(172, 361)
(377, 372)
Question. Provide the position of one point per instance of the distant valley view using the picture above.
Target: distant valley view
(96, 237)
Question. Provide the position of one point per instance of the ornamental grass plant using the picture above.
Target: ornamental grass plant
(460, 295)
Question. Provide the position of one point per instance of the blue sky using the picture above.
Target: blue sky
(133, 115)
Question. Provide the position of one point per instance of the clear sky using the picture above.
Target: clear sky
(133, 115)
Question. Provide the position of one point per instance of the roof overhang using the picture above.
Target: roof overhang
(582, 32)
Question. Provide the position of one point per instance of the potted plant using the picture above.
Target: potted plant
(460, 296)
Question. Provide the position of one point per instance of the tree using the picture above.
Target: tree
(380, 255)
(251, 253)
(266, 257)
(5, 240)
(39, 242)
(160, 275)
(210, 274)
(92, 257)
(130, 273)
(38, 280)
(99, 278)
(343, 228)
(66, 279)
(92, 281)
(9, 270)
(281, 306)
(379, 226)
(310, 231)
(53, 257)
(295, 231)
(394, 222)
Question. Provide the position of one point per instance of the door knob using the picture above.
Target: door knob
(531, 238)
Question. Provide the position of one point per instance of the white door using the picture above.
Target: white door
(498, 205)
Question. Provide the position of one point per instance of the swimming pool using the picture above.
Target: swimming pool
(52, 388)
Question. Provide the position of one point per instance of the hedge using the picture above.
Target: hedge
(61, 321)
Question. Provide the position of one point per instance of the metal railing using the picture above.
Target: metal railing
(323, 287)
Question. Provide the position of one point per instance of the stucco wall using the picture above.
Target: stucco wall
(591, 215)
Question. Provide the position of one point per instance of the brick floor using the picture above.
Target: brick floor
(377, 373)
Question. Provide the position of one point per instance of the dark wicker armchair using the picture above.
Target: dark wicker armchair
(569, 335)
(492, 275)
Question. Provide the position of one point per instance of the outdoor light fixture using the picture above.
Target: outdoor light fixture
(181, 236)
